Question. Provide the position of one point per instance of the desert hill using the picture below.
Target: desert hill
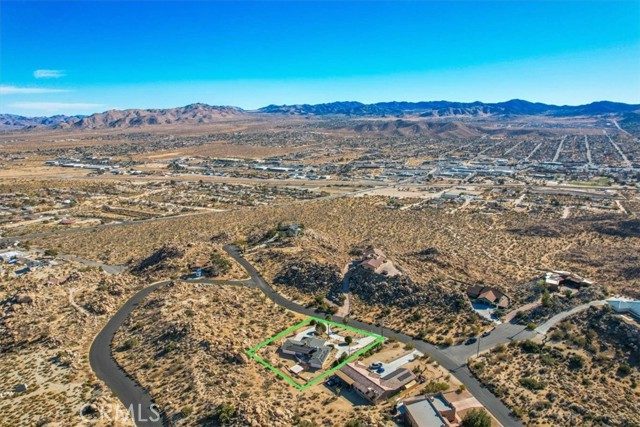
(401, 127)
(190, 114)
(119, 119)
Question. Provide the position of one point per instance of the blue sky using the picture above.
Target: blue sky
(82, 57)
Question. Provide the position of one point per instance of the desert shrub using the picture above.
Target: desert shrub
(476, 418)
(321, 328)
(531, 383)
(500, 348)
(130, 343)
(557, 335)
(576, 362)
(186, 411)
(224, 414)
(624, 370)
(219, 264)
(416, 316)
(547, 360)
(529, 346)
(435, 387)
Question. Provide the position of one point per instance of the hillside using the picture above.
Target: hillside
(400, 127)
(120, 119)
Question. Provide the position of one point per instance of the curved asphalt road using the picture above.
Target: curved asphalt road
(459, 370)
(135, 399)
(130, 393)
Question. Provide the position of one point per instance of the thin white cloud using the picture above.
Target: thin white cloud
(15, 90)
(55, 106)
(48, 74)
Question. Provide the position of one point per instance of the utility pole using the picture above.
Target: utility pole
(478, 351)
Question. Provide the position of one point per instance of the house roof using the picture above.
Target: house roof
(199, 263)
(312, 347)
(625, 305)
(320, 355)
(372, 262)
(362, 380)
(474, 291)
(306, 345)
(489, 294)
(397, 378)
(424, 414)
(368, 381)
(374, 252)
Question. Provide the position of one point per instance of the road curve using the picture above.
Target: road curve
(135, 399)
(130, 393)
(460, 371)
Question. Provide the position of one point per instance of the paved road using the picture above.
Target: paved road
(105, 367)
(449, 361)
(452, 358)
(544, 328)
(136, 399)
(109, 269)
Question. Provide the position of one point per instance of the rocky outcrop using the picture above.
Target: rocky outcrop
(401, 291)
(310, 278)
(156, 260)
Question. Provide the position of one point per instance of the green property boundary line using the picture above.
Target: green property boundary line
(252, 351)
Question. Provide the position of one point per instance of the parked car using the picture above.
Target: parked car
(471, 341)
(374, 366)
(380, 370)
(486, 334)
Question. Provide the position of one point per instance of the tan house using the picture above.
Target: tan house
(489, 295)
(440, 410)
(374, 387)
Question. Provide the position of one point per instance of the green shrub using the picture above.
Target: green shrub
(624, 370)
(186, 411)
(531, 383)
(476, 418)
(529, 346)
(576, 362)
(130, 343)
(224, 414)
(435, 387)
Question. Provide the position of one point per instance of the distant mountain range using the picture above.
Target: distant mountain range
(203, 113)
(446, 108)
(117, 119)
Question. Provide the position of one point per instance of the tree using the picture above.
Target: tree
(476, 418)
(546, 299)
(348, 340)
(321, 328)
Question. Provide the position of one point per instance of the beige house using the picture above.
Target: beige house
(374, 387)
